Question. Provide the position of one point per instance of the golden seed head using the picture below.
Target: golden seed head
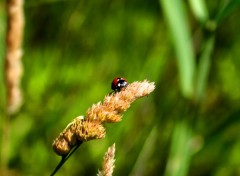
(109, 111)
(70, 136)
(67, 139)
(88, 130)
(114, 104)
(61, 146)
(108, 162)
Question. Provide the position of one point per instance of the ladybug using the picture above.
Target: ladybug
(118, 84)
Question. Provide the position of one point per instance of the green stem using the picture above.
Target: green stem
(180, 153)
(204, 68)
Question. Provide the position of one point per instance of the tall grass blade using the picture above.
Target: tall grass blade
(176, 18)
(145, 153)
(204, 68)
(199, 10)
(180, 153)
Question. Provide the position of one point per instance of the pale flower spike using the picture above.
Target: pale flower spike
(109, 111)
(108, 162)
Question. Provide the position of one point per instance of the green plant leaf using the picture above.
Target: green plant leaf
(199, 9)
(176, 18)
(180, 153)
(204, 67)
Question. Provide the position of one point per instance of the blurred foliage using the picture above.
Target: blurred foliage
(72, 51)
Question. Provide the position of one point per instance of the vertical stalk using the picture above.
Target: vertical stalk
(13, 72)
(5, 144)
(204, 68)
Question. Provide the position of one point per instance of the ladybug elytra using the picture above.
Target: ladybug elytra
(118, 84)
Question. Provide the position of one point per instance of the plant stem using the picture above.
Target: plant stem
(5, 143)
(65, 158)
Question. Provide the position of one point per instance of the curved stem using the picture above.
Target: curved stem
(65, 158)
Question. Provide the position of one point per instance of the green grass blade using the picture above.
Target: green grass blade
(146, 152)
(204, 68)
(180, 153)
(199, 9)
(176, 18)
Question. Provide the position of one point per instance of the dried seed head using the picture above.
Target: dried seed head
(114, 104)
(108, 162)
(110, 110)
(70, 135)
(88, 130)
(13, 63)
(103, 113)
(67, 139)
(61, 146)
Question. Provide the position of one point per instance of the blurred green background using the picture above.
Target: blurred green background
(73, 49)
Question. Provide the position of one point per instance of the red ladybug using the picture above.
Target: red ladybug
(118, 84)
